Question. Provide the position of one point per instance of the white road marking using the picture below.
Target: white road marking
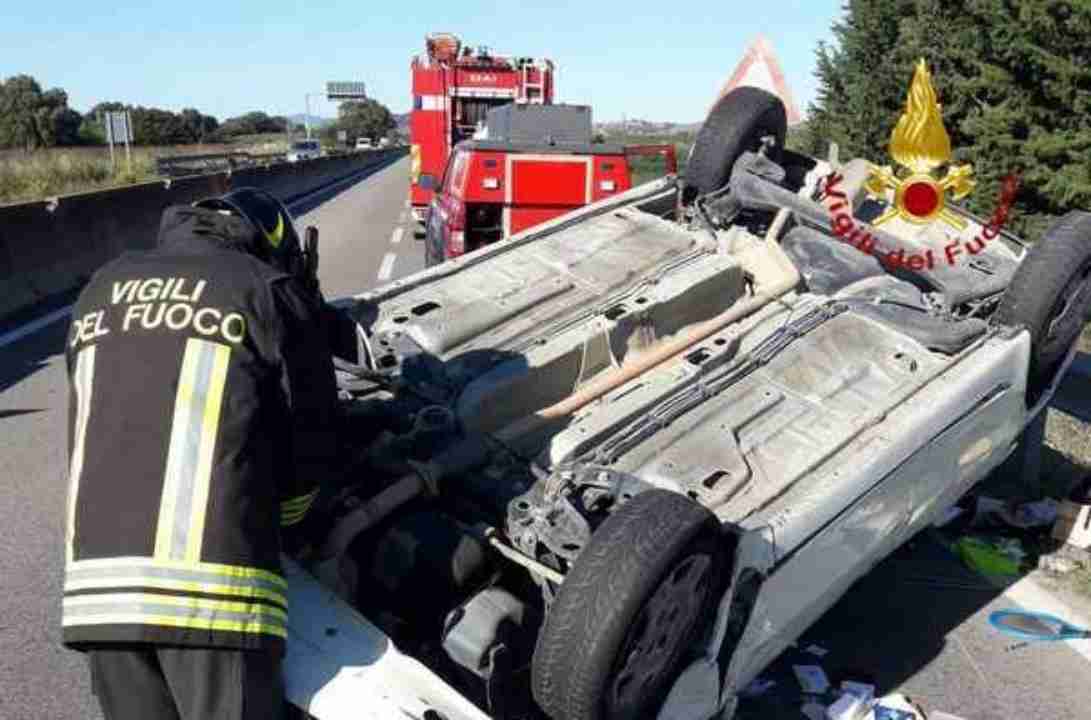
(387, 266)
(397, 236)
(34, 326)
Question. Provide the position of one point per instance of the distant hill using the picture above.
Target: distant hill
(403, 120)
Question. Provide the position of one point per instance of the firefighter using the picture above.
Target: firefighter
(202, 424)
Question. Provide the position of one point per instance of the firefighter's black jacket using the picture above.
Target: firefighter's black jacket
(202, 416)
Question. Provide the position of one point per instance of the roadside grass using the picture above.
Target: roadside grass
(55, 171)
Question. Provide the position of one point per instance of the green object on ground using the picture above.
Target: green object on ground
(985, 557)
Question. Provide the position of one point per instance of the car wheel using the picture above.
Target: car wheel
(738, 122)
(1050, 295)
(631, 606)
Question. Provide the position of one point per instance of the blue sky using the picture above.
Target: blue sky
(652, 60)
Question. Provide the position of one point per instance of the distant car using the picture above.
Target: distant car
(384, 142)
(304, 150)
(364, 144)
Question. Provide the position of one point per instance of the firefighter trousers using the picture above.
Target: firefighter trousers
(149, 682)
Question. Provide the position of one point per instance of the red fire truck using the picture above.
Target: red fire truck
(453, 89)
(528, 165)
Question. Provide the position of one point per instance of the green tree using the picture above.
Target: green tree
(364, 118)
(198, 127)
(31, 118)
(252, 123)
(1013, 78)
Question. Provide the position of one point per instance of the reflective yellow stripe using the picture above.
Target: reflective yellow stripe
(194, 427)
(227, 571)
(183, 405)
(209, 428)
(120, 581)
(83, 383)
(300, 501)
(168, 621)
(78, 601)
(294, 510)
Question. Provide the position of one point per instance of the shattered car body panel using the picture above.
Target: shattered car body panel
(822, 426)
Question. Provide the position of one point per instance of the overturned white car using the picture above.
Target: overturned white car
(611, 467)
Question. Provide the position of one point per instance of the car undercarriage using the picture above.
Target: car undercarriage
(612, 466)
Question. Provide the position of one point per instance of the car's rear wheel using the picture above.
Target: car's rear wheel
(1050, 295)
(628, 611)
(741, 120)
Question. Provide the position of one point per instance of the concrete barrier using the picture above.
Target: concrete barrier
(52, 246)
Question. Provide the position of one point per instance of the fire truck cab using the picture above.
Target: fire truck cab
(453, 90)
(527, 165)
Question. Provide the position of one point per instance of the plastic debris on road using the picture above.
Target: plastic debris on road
(757, 687)
(1057, 565)
(1031, 514)
(814, 711)
(864, 691)
(895, 707)
(816, 650)
(991, 556)
(812, 679)
(847, 707)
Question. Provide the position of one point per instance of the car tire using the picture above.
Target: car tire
(654, 567)
(736, 123)
(1050, 295)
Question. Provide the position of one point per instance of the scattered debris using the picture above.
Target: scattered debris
(991, 556)
(1031, 514)
(1057, 564)
(812, 679)
(814, 711)
(896, 707)
(847, 707)
(757, 687)
(816, 650)
(1073, 525)
(864, 691)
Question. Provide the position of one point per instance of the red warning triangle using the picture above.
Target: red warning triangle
(759, 68)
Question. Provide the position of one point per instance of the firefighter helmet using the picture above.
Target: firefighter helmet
(275, 237)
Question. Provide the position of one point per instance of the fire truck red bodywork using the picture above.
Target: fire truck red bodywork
(452, 90)
(495, 189)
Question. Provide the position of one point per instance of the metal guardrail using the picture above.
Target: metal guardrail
(181, 165)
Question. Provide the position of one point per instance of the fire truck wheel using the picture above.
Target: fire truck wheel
(738, 122)
(1050, 295)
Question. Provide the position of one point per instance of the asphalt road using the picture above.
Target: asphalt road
(916, 624)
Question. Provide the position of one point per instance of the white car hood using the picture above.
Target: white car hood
(339, 666)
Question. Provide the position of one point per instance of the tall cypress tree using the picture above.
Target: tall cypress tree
(1013, 76)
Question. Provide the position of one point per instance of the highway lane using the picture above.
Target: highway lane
(928, 638)
(39, 680)
(365, 234)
